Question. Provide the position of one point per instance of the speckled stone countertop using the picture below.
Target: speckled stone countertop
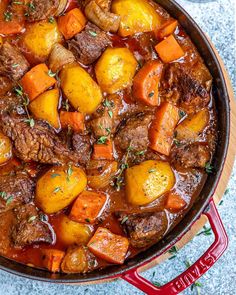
(217, 19)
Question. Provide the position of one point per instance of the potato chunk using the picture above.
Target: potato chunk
(115, 69)
(58, 187)
(72, 233)
(39, 39)
(5, 149)
(45, 107)
(136, 16)
(148, 181)
(80, 89)
(193, 126)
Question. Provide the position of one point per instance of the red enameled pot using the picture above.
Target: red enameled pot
(203, 205)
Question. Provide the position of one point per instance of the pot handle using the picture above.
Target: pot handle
(196, 270)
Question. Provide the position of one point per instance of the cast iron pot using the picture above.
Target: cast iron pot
(203, 205)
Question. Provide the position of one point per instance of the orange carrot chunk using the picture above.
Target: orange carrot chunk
(87, 207)
(162, 128)
(108, 246)
(146, 83)
(103, 151)
(75, 120)
(167, 28)
(52, 259)
(36, 81)
(174, 202)
(169, 49)
(71, 23)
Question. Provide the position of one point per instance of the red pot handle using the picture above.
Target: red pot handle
(195, 271)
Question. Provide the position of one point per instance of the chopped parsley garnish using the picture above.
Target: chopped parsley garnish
(30, 122)
(110, 113)
(7, 16)
(9, 200)
(140, 153)
(226, 191)
(15, 65)
(43, 217)
(152, 170)
(32, 218)
(107, 103)
(3, 195)
(92, 33)
(176, 142)
(181, 114)
(221, 202)
(51, 74)
(209, 168)
(17, 2)
(55, 175)
(206, 231)
(173, 251)
(196, 285)
(65, 105)
(108, 130)
(151, 94)
(56, 190)
(124, 219)
(87, 220)
(51, 19)
(102, 140)
(69, 173)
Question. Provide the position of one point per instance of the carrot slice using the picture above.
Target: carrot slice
(169, 49)
(146, 83)
(75, 120)
(167, 28)
(52, 259)
(162, 128)
(174, 202)
(71, 23)
(108, 246)
(103, 151)
(87, 207)
(36, 81)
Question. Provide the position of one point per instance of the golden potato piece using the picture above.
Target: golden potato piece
(58, 187)
(148, 181)
(193, 126)
(5, 149)
(73, 233)
(80, 89)
(136, 16)
(45, 107)
(115, 69)
(39, 39)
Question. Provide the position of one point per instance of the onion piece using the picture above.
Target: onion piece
(105, 20)
(59, 57)
(61, 7)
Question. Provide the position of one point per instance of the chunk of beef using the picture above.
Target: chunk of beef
(135, 158)
(16, 189)
(12, 62)
(41, 9)
(29, 229)
(191, 155)
(39, 143)
(88, 45)
(186, 87)
(82, 146)
(143, 229)
(7, 220)
(134, 133)
(102, 126)
(5, 85)
(12, 104)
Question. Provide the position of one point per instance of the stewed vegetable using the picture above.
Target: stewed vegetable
(107, 130)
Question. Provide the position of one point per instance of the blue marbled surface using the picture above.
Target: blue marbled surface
(217, 19)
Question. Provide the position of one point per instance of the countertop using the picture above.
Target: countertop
(217, 19)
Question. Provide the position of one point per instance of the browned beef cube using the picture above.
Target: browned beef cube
(41, 9)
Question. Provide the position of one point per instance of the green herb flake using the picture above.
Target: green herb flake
(65, 105)
(107, 103)
(92, 33)
(177, 142)
(226, 191)
(209, 168)
(151, 94)
(56, 190)
(43, 217)
(30, 122)
(110, 113)
(140, 153)
(108, 130)
(221, 202)
(51, 74)
(31, 6)
(7, 16)
(102, 140)
(182, 114)
(17, 2)
(3, 195)
(54, 175)
(15, 66)
(9, 200)
(51, 19)
(124, 219)
(87, 220)
(152, 170)
(32, 218)
(206, 231)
